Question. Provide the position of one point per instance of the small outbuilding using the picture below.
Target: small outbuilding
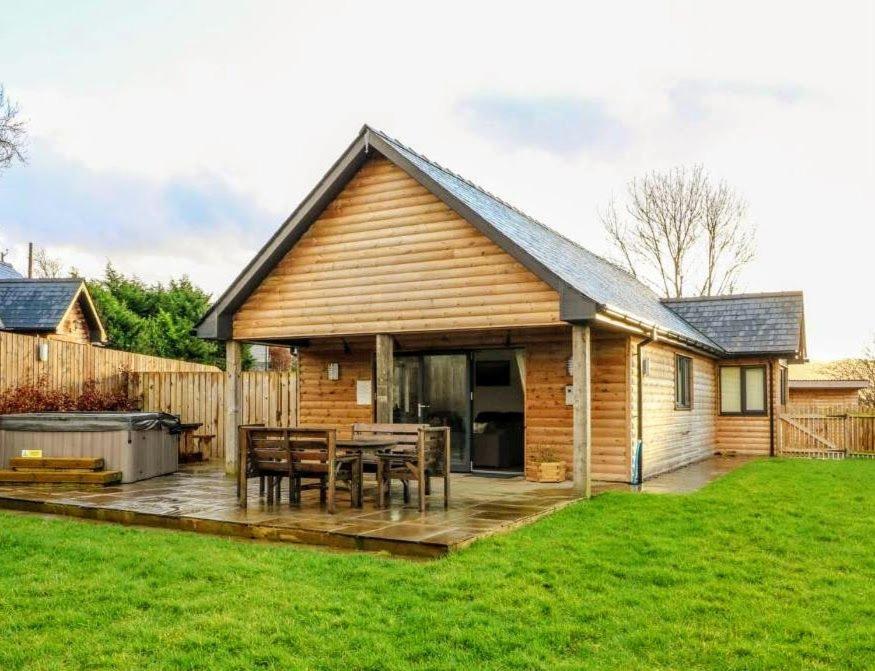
(816, 384)
(58, 309)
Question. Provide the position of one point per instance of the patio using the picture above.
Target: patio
(201, 498)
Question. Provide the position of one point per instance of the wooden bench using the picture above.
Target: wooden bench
(421, 452)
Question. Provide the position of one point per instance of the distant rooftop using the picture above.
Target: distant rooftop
(7, 272)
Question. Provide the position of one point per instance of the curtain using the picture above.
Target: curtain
(730, 389)
(521, 366)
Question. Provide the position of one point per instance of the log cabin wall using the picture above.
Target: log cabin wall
(388, 256)
(324, 402)
(673, 437)
(74, 326)
(750, 434)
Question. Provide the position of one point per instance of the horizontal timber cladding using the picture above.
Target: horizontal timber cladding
(673, 437)
(749, 434)
(388, 256)
(547, 417)
(324, 402)
(823, 398)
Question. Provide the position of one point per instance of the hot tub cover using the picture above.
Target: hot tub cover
(89, 421)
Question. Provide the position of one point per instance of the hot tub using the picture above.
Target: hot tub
(139, 444)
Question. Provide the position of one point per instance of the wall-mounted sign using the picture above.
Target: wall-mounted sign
(32, 454)
(363, 392)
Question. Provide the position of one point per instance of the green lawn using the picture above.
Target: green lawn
(773, 566)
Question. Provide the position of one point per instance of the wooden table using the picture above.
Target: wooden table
(368, 445)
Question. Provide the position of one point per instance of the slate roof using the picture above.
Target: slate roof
(35, 304)
(7, 272)
(770, 323)
(593, 276)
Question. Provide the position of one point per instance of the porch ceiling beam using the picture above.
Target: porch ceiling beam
(581, 363)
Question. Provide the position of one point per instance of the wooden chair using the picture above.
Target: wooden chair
(403, 435)
(314, 456)
(428, 457)
(268, 458)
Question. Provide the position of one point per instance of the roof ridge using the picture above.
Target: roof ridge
(497, 198)
(720, 297)
(30, 280)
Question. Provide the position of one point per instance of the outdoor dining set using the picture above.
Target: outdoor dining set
(314, 458)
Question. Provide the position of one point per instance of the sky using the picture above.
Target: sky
(174, 138)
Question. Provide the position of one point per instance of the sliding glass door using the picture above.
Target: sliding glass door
(435, 389)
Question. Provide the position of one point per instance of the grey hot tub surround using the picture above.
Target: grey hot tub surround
(139, 444)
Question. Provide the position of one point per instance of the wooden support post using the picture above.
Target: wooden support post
(582, 401)
(384, 372)
(232, 404)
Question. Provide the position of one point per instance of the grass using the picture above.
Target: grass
(771, 567)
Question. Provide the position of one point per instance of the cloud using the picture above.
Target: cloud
(693, 100)
(566, 126)
(61, 204)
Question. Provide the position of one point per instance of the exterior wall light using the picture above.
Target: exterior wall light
(42, 351)
(334, 371)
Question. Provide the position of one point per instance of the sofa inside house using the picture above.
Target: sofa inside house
(498, 440)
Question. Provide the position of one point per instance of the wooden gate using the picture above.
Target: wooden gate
(826, 433)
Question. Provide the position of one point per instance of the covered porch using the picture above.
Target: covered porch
(560, 393)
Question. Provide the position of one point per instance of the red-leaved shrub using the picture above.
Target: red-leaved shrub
(40, 398)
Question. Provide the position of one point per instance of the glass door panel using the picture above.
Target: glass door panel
(446, 385)
(434, 389)
(408, 387)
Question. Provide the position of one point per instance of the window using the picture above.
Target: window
(683, 382)
(743, 390)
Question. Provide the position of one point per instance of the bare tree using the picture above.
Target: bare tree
(680, 233)
(859, 369)
(45, 265)
(12, 132)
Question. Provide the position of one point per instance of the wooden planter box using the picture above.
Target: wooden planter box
(548, 471)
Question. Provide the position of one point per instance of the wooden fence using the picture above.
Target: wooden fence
(195, 392)
(268, 398)
(827, 432)
(69, 365)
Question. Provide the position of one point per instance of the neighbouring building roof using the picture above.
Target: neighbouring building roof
(39, 305)
(7, 272)
(769, 323)
(821, 375)
(586, 283)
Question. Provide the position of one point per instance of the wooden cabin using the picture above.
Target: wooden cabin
(56, 309)
(411, 294)
(816, 385)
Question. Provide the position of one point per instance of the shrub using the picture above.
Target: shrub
(40, 398)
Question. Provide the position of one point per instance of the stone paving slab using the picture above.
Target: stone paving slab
(201, 498)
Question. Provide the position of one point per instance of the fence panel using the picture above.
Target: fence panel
(266, 398)
(827, 432)
(69, 365)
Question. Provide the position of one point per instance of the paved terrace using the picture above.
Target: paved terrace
(201, 498)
